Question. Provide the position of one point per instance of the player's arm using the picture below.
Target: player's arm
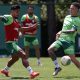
(58, 35)
(23, 28)
(68, 31)
(37, 24)
(27, 28)
(33, 26)
(74, 28)
(37, 21)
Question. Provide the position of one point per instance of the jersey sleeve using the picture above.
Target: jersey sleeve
(3, 19)
(67, 24)
(37, 19)
(7, 19)
(23, 18)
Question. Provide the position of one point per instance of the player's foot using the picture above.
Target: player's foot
(34, 74)
(5, 72)
(39, 64)
(57, 70)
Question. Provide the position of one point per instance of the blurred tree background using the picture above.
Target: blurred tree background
(61, 6)
(52, 16)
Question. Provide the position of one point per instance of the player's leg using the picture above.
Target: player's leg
(75, 61)
(25, 63)
(70, 51)
(36, 46)
(27, 51)
(51, 50)
(27, 47)
(21, 54)
(25, 56)
(13, 59)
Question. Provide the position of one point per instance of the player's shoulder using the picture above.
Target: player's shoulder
(9, 19)
(68, 16)
(7, 15)
(35, 16)
(24, 15)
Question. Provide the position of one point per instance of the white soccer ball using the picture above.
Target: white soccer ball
(65, 60)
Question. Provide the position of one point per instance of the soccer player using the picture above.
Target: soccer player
(12, 26)
(30, 20)
(66, 37)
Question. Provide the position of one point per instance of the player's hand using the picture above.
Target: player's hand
(58, 35)
(20, 34)
(34, 25)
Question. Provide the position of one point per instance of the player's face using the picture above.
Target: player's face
(16, 13)
(30, 10)
(73, 10)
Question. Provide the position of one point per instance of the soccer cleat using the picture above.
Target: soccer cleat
(5, 72)
(34, 74)
(57, 70)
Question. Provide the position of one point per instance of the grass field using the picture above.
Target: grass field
(18, 72)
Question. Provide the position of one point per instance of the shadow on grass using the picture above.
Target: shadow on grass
(20, 78)
(68, 77)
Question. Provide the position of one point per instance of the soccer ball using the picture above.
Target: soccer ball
(65, 60)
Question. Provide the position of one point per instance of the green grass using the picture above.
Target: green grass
(18, 72)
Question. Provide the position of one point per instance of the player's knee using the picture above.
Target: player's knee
(22, 54)
(50, 51)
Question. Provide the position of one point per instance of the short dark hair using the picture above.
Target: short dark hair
(14, 7)
(30, 6)
(76, 4)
